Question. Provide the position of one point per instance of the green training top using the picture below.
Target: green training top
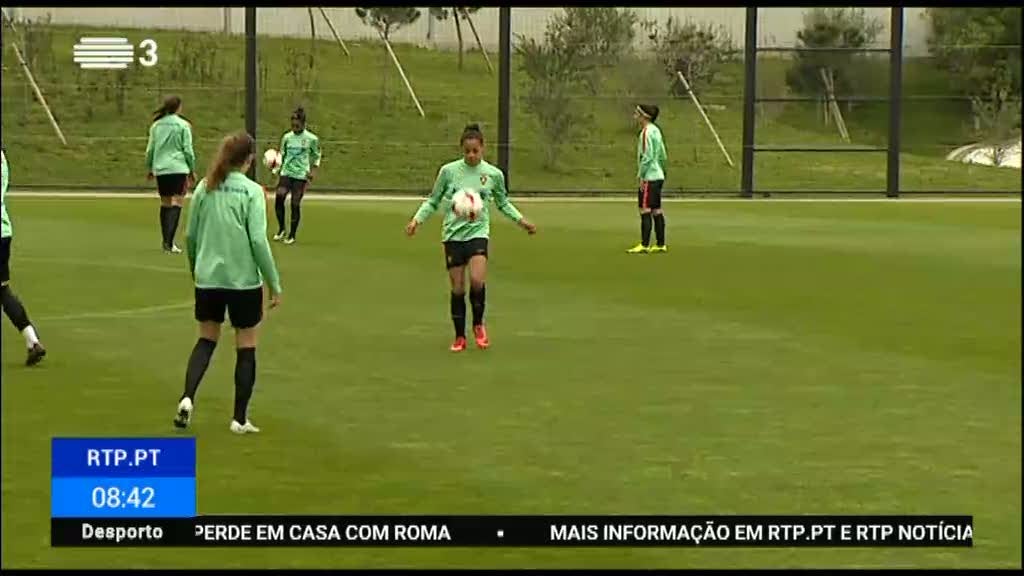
(227, 236)
(5, 178)
(650, 154)
(169, 150)
(298, 152)
(487, 180)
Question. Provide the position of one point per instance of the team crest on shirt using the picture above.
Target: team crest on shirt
(483, 179)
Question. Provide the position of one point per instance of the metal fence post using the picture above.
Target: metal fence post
(892, 179)
(504, 87)
(749, 93)
(250, 77)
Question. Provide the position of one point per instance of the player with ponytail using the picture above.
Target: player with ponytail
(172, 160)
(466, 241)
(300, 158)
(230, 259)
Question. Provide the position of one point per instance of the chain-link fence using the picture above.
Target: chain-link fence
(388, 91)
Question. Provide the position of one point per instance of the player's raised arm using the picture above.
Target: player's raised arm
(505, 205)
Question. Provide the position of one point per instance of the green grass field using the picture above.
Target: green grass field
(371, 144)
(789, 358)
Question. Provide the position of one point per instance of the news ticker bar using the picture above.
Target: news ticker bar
(517, 531)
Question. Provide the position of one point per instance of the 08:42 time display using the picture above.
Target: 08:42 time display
(138, 497)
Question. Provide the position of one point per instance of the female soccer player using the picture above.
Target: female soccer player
(300, 157)
(11, 304)
(230, 257)
(170, 157)
(465, 241)
(651, 158)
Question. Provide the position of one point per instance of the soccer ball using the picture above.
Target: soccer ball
(272, 159)
(466, 203)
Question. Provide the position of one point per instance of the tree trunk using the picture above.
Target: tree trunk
(458, 32)
(312, 38)
(384, 74)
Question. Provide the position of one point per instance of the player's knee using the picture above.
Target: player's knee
(280, 195)
(656, 211)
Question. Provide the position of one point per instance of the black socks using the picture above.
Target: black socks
(279, 211)
(197, 364)
(245, 380)
(169, 217)
(478, 300)
(659, 228)
(14, 309)
(645, 229)
(245, 374)
(296, 215)
(458, 307)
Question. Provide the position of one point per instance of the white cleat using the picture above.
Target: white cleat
(246, 428)
(289, 240)
(184, 413)
(172, 249)
(280, 236)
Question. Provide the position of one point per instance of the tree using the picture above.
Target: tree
(980, 48)
(458, 13)
(698, 51)
(556, 69)
(600, 37)
(386, 20)
(830, 28)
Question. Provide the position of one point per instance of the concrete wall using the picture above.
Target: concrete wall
(777, 26)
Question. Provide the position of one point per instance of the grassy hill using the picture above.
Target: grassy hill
(373, 142)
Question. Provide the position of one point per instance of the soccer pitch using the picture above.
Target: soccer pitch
(782, 358)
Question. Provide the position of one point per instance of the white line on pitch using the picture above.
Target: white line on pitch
(127, 312)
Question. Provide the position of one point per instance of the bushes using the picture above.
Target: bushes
(578, 45)
(831, 28)
(696, 50)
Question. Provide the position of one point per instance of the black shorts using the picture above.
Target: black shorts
(649, 194)
(5, 269)
(171, 184)
(457, 253)
(244, 306)
(288, 184)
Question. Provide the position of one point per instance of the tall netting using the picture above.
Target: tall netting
(368, 118)
(822, 112)
(104, 114)
(821, 117)
(962, 99)
(579, 72)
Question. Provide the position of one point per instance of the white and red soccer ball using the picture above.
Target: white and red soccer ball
(466, 203)
(272, 159)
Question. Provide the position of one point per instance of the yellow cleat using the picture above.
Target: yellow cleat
(654, 249)
(638, 249)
